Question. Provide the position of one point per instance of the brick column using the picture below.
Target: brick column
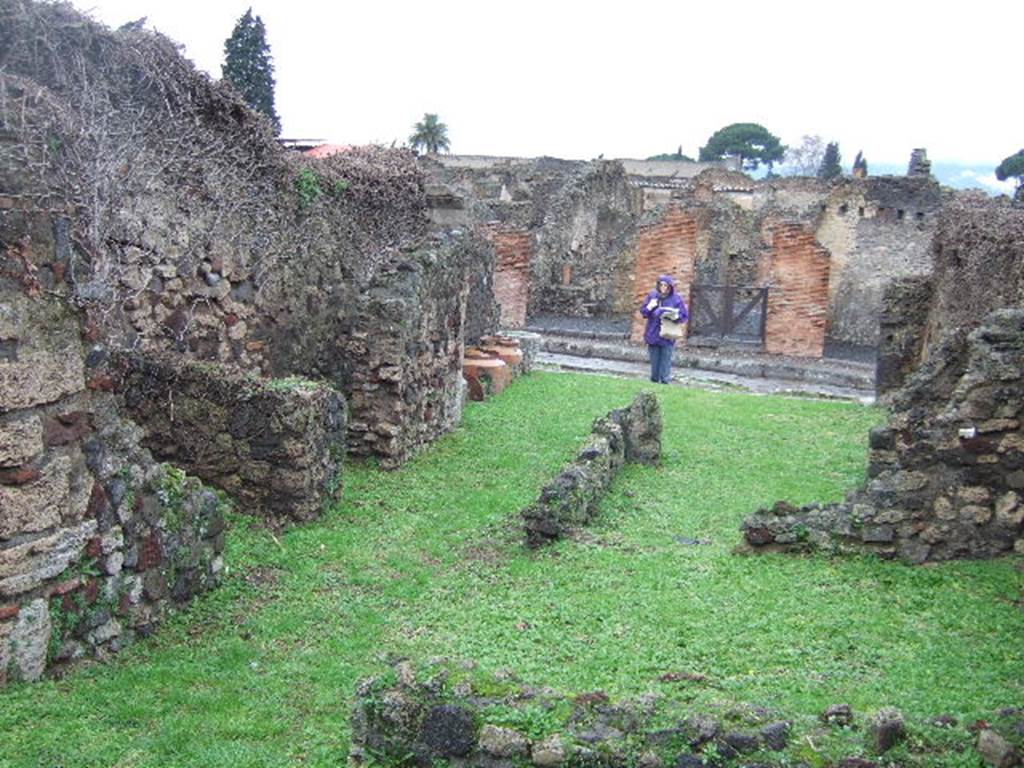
(513, 248)
(798, 294)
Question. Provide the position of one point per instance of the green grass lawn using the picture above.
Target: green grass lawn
(427, 562)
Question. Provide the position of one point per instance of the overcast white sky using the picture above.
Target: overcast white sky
(629, 79)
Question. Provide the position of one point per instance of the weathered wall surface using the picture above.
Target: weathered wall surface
(96, 539)
(195, 233)
(946, 474)
(579, 219)
(144, 208)
(404, 348)
(947, 471)
(275, 445)
(877, 230)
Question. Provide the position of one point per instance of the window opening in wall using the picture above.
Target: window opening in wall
(843, 209)
(900, 213)
(860, 211)
(919, 215)
(566, 274)
(824, 207)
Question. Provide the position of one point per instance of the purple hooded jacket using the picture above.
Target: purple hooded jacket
(653, 329)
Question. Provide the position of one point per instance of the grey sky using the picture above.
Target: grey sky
(629, 79)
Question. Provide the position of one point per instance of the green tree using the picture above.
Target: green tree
(249, 67)
(1012, 167)
(831, 167)
(860, 166)
(430, 134)
(751, 142)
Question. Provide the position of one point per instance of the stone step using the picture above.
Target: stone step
(704, 379)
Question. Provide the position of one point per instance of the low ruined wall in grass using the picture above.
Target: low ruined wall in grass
(275, 445)
(630, 434)
(417, 717)
(945, 474)
(439, 714)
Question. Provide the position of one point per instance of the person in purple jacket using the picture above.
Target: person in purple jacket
(662, 305)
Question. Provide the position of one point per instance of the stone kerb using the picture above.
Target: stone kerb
(275, 445)
(631, 434)
(945, 475)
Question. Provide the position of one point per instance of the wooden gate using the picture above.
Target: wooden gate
(727, 314)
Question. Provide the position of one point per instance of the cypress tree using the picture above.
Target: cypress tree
(860, 166)
(830, 164)
(249, 67)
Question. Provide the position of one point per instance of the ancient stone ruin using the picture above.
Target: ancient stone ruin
(176, 287)
(789, 266)
(175, 284)
(631, 434)
(420, 715)
(946, 473)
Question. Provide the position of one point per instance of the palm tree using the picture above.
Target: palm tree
(430, 134)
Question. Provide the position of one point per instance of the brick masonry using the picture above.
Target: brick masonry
(514, 256)
(797, 275)
(667, 246)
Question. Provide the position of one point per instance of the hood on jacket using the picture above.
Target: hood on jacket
(666, 279)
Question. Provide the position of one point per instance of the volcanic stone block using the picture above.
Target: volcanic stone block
(26, 566)
(21, 440)
(28, 641)
(40, 377)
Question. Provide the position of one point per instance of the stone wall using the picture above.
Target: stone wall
(423, 715)
(901, 331)
(214, 242)
(97, 541)
(572, 223)
(877, 230)
(275, 445)
(404, 349)
(946, 474)
(978, 251)
(570, 500)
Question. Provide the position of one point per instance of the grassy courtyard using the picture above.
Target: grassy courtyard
(427, 561)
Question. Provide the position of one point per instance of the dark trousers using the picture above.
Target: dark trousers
(661, 363)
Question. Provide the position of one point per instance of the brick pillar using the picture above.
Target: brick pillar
(513, 248)
(668, 247)
(798, 274)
